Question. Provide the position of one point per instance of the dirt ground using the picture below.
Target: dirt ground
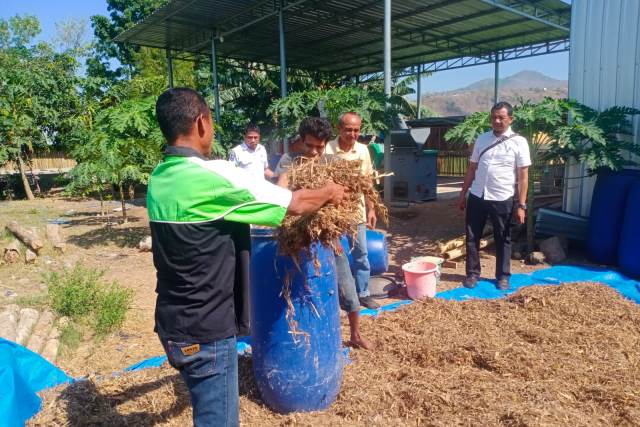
(110, 245)
(106, 243)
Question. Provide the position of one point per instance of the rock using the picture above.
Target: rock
(50, 350)
(536, 258)
(553, 250)
(28, 319)
(9, 322)
(145, 244)
(516, 255)
(30, 256)
(40, 332)
(10, 293)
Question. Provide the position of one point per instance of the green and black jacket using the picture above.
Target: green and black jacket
(200, 211)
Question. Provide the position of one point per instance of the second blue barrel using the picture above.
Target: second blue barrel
(607, 212)
(629, 248)
(377, 252)
(297, 368)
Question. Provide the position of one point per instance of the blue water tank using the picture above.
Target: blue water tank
(629, 248)
(377, 251)
(294, 371)
(607, 211)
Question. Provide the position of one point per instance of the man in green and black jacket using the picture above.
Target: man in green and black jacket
(199, 212)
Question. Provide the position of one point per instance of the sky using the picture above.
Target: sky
(51, 11)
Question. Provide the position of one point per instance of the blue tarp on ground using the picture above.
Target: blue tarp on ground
(24, 373)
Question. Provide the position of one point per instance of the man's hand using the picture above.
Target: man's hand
(336, 192)
(462, 201)
(520, 215)
(372, 219)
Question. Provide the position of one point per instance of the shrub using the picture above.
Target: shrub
(111, 309)
(82, 295)
(74, 292)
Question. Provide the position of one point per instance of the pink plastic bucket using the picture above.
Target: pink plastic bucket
(420, 278)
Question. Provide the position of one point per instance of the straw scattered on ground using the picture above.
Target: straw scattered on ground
(567, 355)
(327, 225)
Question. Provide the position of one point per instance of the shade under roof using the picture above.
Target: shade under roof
(347, 37)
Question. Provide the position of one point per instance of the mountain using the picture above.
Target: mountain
(478, 96)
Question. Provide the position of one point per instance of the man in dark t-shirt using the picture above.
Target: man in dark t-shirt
(199, 212)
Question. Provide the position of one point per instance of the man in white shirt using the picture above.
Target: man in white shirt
(500, 158)
(251, 155)
(346, 146)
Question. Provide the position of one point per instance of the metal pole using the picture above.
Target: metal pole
(419, 92)
(388, 183)
(496, 80)
(283, 58)
(170, 67)
(214, 71)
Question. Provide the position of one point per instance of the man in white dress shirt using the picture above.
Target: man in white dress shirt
(251, 155)
(499, 160)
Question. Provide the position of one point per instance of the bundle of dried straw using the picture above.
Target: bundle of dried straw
(328, 224)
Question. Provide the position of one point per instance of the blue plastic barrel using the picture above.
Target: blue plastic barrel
(629, 248)
(377, 252)
(607, 212)
(300, 372)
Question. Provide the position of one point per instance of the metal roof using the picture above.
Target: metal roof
(347, 37)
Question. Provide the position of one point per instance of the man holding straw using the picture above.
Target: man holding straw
(199, 212)
(314, 133)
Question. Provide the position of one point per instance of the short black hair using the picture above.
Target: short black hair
(176, 109)
(502, 104)
(315, 126)
(252, 127)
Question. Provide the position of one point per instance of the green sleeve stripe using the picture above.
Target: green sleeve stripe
(191, 190)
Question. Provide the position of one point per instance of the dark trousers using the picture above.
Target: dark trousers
(499, 213)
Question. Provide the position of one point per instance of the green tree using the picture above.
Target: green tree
(562, 130)
(369, 104)
(124, 146)
(38, 96)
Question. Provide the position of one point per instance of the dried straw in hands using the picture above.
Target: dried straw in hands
(327, 225)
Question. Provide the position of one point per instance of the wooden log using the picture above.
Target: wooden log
(12, 252)
(54, 235)
(459, 242)
(28, 238)
(457, 253)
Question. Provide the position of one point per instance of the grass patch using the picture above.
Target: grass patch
(33, 211)
(34, 301)
(70, 337)
(82, 295)
(6, 235)
(111, 309)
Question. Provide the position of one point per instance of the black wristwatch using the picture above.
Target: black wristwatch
(522, 206)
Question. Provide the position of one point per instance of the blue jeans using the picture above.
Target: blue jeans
(360, 261)
(210, 371)
(348, 296)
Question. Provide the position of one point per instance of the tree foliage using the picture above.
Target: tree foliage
(124, 145)
(369, 104)
(38, 96)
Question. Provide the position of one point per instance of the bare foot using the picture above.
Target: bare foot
(359, 342)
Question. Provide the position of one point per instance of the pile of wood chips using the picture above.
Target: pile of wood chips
(327, 225)
(545, 356)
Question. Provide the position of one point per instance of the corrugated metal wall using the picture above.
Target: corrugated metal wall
(604, 65)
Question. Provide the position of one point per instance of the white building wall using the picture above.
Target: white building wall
(604, 71)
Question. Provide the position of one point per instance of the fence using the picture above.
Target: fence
(548, 177)
(54, 160)
(452, 163)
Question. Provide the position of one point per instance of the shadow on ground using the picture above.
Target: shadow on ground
(121, 236)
